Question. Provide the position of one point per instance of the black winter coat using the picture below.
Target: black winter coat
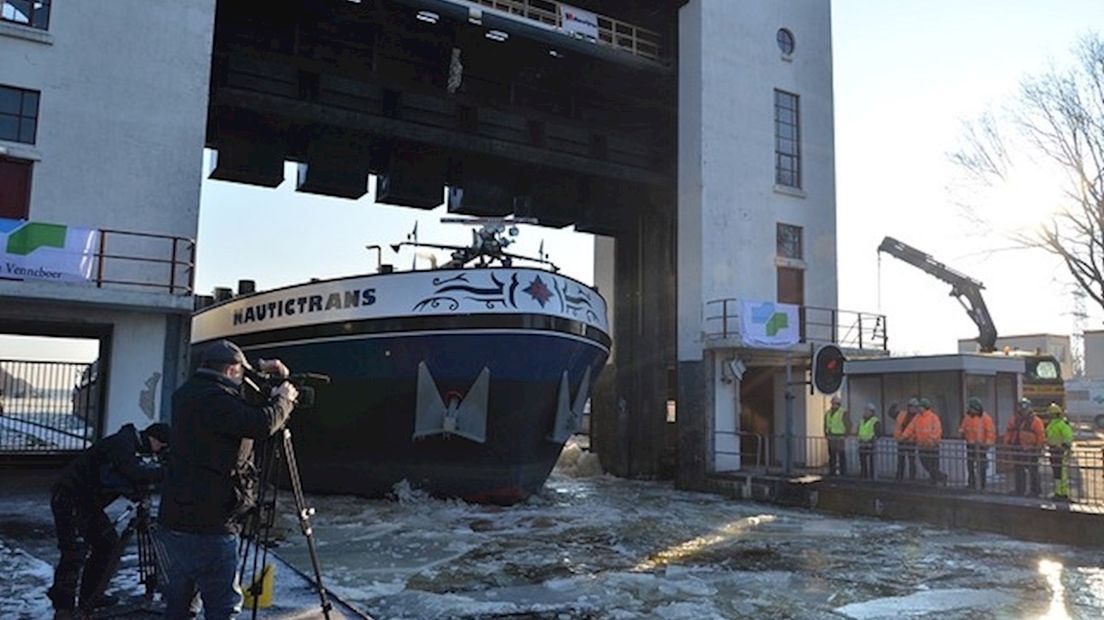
(213, 429)
(109, 468)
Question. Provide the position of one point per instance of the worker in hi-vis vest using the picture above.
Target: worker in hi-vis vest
(1059, 438)
(836, 428)
(1026, 437)
(927, 431)
(906, 448)
(980, 433)
(868, 435)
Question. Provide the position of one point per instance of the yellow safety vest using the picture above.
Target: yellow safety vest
(835, 425)
(1059, 433)
(866, 428)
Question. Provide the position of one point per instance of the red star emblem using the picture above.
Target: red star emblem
(538, 291)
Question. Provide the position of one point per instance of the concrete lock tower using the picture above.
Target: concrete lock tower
(756, 226)
(102, 120)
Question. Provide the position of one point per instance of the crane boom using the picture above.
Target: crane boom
(963, 288)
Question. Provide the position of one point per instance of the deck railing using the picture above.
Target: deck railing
(611, 32)
(847, 328)
(145, 261)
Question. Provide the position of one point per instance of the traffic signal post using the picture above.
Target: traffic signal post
(827, 378)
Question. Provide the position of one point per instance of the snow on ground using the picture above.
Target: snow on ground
(600, 547)
(22, 597)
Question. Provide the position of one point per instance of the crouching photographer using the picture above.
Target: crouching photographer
(118, 464)
(211, 481)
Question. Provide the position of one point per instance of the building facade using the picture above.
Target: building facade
(756, 225)
(102, 122)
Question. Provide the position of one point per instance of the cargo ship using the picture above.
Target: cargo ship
(464, 381)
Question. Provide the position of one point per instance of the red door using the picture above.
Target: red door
(15, 188)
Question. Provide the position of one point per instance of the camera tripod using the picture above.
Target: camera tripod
(150, 564)
(257, 537)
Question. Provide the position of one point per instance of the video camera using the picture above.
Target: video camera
(260, 385)
(112, 483)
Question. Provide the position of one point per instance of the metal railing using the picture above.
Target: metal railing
(48, 407)
(847, 328)
(145, 261)
(611, 32)
(1009, 470)
(730, 453)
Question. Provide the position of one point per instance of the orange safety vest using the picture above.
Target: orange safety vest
(926, 430)
(1027, 432)
(902, 425)
(978, 429)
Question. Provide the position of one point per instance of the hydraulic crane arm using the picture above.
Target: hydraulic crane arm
(963, 288)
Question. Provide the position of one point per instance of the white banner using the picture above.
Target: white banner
(408, 294)
(769, 324)
(40, 251)
(579, 23)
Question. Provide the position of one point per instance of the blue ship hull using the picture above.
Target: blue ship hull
(358, 437)
(464, 383)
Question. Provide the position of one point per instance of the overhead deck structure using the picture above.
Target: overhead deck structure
(498, 102)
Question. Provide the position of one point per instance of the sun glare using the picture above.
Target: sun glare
(1053, 572)
(696, 546)
(1026, 200)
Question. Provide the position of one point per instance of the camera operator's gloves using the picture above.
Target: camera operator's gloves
(286, 390)
(275, 367)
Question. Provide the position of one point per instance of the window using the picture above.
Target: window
(787, 140)
(1044, 369)
(33, 13)
(18, 114)
(788, 238)
(15, 188)
(785, 41)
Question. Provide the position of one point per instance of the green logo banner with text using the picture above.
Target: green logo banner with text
(40, 251)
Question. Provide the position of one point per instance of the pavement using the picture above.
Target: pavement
(28, 553)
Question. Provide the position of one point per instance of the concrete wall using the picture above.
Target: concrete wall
(122, 113)
(726, 415)
(137, 361)
(1029, 521)
(121, 127)
(728, 203)
(1094, 354)
(605, 257)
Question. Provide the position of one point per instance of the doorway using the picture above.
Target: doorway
(756, 415)
(52, 387)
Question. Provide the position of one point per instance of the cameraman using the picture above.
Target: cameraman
(211, 482)
(113, 466)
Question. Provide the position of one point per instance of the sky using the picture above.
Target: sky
(907, 73)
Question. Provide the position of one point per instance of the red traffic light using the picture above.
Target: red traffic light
(828, 369)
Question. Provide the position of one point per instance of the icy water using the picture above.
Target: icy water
(601, 548)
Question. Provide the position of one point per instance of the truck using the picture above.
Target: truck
(1042, 379)
(1085, 401)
